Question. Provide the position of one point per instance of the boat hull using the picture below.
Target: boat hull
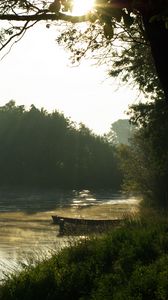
(80, 221)
(81, 226)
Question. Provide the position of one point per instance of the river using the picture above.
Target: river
(26, 229)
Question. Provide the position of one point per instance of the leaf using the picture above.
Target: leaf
(108, 31)
(155, 18)
(116, 13)
(128, 20)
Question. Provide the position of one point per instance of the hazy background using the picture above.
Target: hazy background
(38, 71)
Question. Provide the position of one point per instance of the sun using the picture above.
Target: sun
(81, 7)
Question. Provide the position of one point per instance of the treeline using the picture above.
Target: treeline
(38, 148)
(145, 161)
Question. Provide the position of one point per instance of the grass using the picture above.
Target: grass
(129, 263)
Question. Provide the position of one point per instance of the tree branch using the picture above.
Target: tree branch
(18, 34)
(46, 16)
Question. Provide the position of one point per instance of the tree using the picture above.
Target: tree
(120, 132)
(46, 149)
(150, 17)
(145, 161)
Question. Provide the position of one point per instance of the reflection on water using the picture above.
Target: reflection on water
(25, 219)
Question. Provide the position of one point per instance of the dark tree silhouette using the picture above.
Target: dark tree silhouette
(151, 18)
(42, 149)
(145, 161)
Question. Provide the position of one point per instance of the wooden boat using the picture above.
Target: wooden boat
(78, 226)
(79, 221)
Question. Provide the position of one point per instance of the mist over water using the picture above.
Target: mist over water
(26, 227)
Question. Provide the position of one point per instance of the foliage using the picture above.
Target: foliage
(47, 149)
(120, 132)
(127, 263)
(127, 53)
(130, 26)
(145, 162)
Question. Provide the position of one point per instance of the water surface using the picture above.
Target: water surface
(26, 227)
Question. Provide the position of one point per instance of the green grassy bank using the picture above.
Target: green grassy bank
(128, 263)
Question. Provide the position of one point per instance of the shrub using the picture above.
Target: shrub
(128, 263)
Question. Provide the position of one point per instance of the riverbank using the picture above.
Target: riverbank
(130, 262)
(26, 224)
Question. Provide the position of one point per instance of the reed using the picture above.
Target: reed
(130, 262)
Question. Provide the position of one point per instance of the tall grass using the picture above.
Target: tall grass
(129, 263)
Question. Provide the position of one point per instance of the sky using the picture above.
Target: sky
(38, 71)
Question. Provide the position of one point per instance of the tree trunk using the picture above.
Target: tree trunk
(158, 38)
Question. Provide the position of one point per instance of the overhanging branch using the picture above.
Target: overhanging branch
(45, 17)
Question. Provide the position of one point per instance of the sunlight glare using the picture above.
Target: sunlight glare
(81, 7)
